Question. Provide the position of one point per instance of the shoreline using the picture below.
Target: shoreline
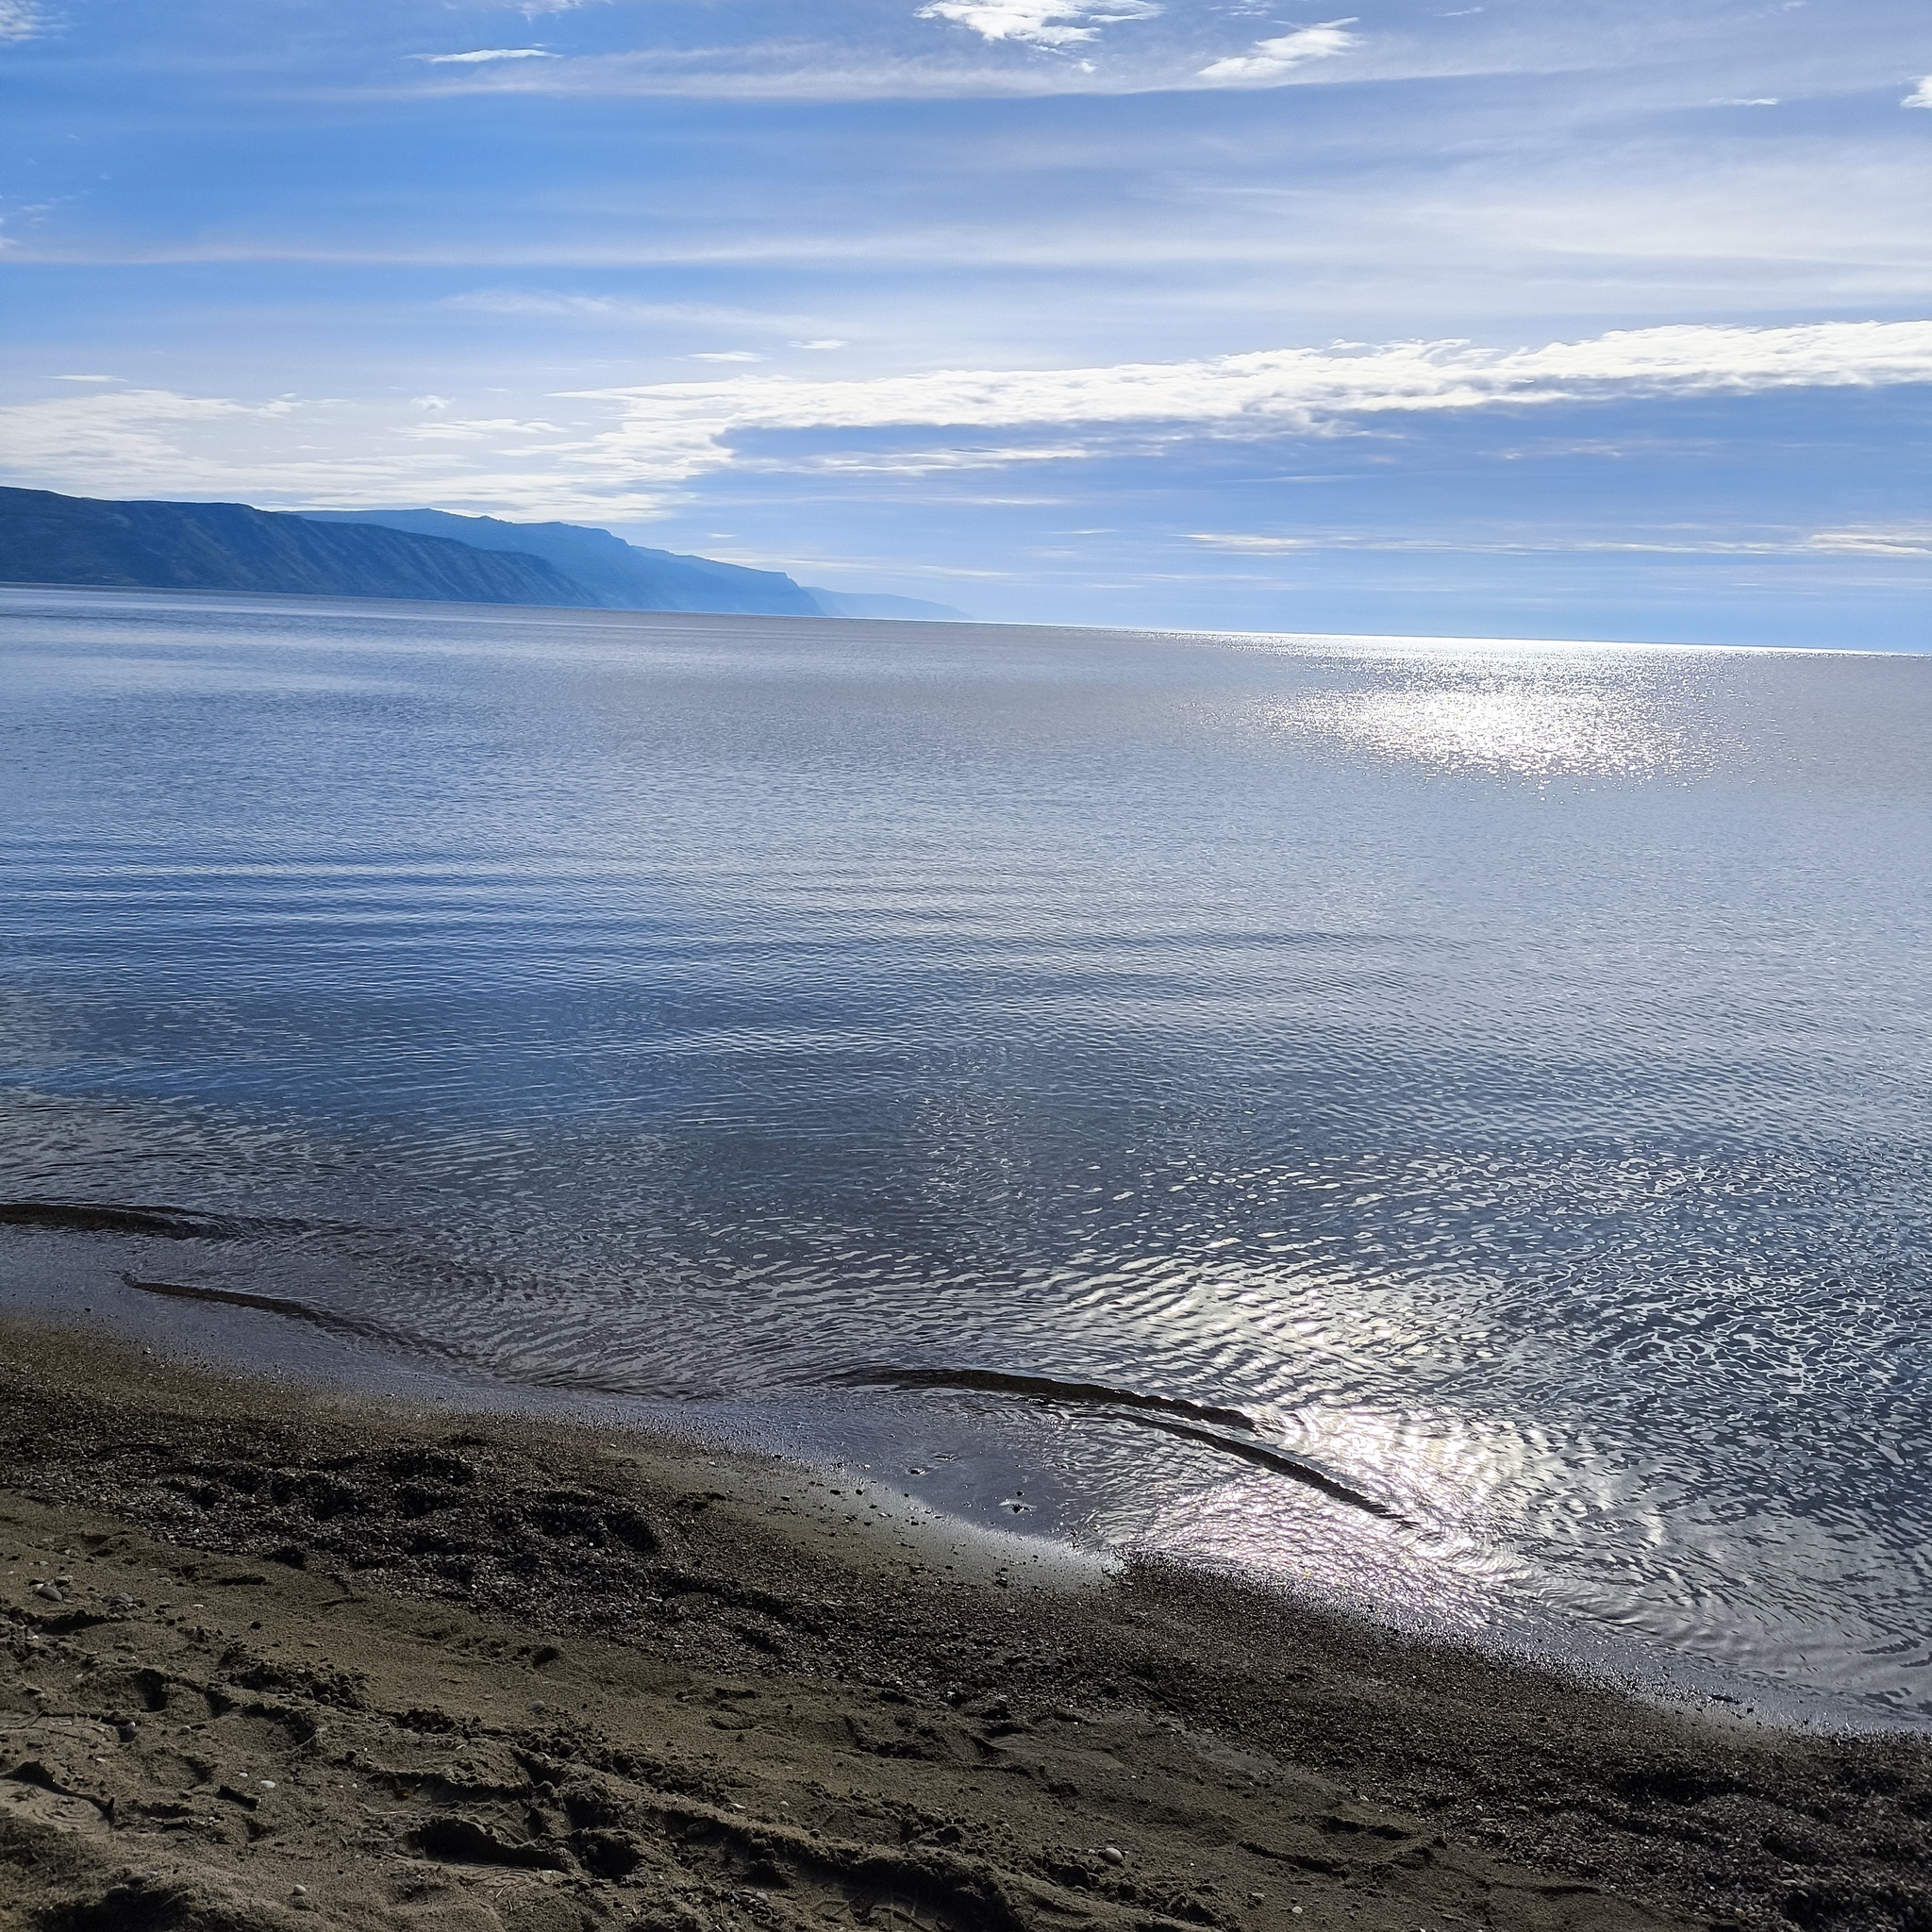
(323, 1659)
(360, 1363)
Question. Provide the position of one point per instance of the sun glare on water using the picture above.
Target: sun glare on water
(1542, 717)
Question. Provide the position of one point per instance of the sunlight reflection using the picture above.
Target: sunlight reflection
(1534, 719)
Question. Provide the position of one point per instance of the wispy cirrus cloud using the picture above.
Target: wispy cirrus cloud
(21, 20)
(478, 57)
(623, 310)
(1913, 540)
(1270, 61)
(1039, 22)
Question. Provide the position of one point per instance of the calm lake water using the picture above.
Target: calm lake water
(1450, 1123)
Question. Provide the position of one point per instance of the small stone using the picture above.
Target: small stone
(52, 1591)
(299, 1892)
(1257, 1898)
(1114, 1854)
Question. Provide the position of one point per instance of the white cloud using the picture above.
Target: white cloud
(87, 378)
(1252, 546)
(725, 356)
(478, 56)
(20, 19)
(1685, 542)
(1037, 23)
(1912, 540)
(627, 453)
(674, 430)
(155, 443)
(117, 439)
(1921, 96)
(1273, 61)
(824, 343)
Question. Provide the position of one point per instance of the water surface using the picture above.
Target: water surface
(1446, 1123)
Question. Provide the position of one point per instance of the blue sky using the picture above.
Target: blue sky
(1524, 319)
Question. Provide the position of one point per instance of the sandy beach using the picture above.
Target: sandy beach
(277, 1659)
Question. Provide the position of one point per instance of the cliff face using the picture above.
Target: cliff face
(46, 538)
(618, 576)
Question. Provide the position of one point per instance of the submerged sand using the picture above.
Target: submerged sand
(277, 1659)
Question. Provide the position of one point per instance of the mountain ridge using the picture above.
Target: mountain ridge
(630, 576)
(104, 544)
(424, 555)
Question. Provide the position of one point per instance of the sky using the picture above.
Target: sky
(1537, 318)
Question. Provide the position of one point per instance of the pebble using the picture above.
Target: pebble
(299, 1892)
(52, 1591)
(1114, 1854)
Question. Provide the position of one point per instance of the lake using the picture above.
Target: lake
(1444, 1123)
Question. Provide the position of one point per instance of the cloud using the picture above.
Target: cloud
(478, 56)
(1037, 23)
(128, 436)
(1921, 96)
(629, 452)
(611, 308)
(673, 430)
(1252, 546)
(87, 378)
(1912, 540)
(824, 343)
(20, 19)
(725, 356)
(1273, 61)
(156, 443)
(1685, 542)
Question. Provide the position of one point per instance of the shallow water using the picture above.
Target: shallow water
(1481, 1090)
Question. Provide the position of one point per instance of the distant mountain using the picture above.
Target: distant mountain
(618, 576)
(427, 553)
(46, 538)
(856, 604)
(628, 576)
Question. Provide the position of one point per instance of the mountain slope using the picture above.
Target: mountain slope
(618, 575)
(47, 539)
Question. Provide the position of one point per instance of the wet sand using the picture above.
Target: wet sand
(277, 1659)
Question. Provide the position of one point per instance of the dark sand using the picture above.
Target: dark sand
(286, 1661)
